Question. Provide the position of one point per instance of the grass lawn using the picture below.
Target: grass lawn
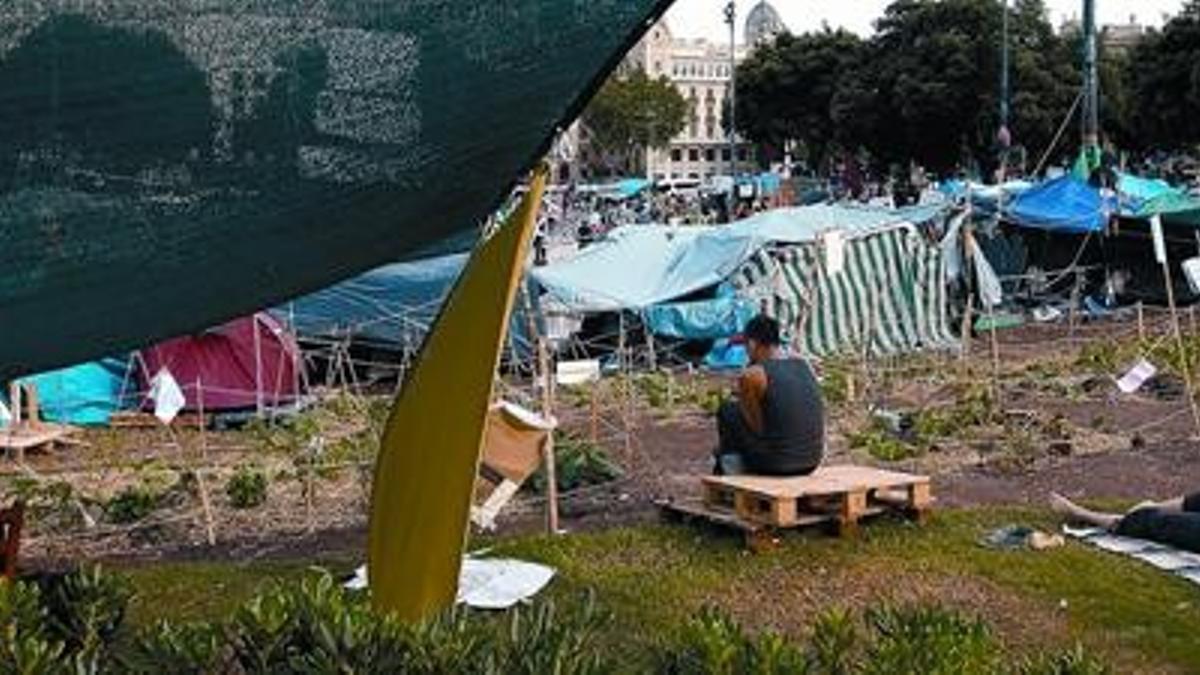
(654, 577)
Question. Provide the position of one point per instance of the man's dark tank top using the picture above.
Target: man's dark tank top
(793, 413)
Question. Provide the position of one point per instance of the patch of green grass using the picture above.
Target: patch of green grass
(654, 578)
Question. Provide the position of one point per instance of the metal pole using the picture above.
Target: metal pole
(731, 19)
(1091, 96)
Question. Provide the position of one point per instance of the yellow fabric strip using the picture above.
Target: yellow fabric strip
(425, 474)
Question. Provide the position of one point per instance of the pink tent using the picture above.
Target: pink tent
(247, 363)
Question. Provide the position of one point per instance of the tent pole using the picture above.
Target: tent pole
(258, 370)
(548, 456)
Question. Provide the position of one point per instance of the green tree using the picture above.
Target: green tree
(117, 97)
(928, 88)
(1164, 83)
(786, 90)
(634, 111)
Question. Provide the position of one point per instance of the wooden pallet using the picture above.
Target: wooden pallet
(16, 440)
(839, 496)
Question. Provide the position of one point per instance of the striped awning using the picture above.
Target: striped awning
(890, 295)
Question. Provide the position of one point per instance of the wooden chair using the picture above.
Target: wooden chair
(11, 522)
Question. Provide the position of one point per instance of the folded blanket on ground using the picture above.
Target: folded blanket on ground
(1180, 563)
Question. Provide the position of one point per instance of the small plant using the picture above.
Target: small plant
(86, 608)
(883, 445)
(247, 488)
(190, 649)
(132, 504)
(578, 463)
(928, 640)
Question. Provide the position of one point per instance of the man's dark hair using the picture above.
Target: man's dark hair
(763, 330)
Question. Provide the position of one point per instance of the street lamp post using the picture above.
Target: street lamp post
(731, 19)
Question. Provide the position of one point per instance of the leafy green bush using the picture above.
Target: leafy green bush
(714, 644)
(247, 488)
(86, 608)
(929, 641)
(883, 445)
(132, 504)
(891, 641)
(578, 463)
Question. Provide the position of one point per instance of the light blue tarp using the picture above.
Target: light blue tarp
(388, 307)
(1064, 204)
(704, 320)
(1143, 189)
(640, 266)
(86, 394)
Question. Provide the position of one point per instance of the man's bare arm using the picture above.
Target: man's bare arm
(752, 388)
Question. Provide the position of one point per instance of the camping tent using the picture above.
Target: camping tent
(86, 394)
(769, 260)
(389, 306)
(248, 363)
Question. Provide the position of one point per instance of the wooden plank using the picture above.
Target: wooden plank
(854, 507)
(26, 438)
(826, 481)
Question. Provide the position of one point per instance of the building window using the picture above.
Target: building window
(725, 155)
(693, 155)
(657, 67)
(712, 131)
(694, 176)
(676, 155)
(692, 94)
(743, 155)
(710, 155)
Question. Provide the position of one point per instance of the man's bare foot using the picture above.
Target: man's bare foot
(1072, 512)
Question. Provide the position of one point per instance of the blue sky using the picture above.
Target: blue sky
(704, 18)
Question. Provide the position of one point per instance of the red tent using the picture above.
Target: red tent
(247, 363)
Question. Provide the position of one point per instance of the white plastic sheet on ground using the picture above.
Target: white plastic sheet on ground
(1173, 561)
(486, 583)
(5, 415)
(1136, 377)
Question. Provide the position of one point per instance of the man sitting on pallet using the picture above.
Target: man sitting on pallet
(776, 426)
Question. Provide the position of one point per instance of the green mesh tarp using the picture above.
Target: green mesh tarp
(166, 165)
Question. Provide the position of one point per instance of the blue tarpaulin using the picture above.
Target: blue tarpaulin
(639, 266)
(86, 394)
(386, 305)
(704, 320)
(1064, 204)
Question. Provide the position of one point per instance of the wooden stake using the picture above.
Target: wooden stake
(548, 446)
(1141, 321)
(310, 507)
(210, 526)
(594, 414)
(1183, 358)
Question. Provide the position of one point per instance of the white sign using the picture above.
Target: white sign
(1136, 377)
(833, 243)
(167, 396)
(1160, 244)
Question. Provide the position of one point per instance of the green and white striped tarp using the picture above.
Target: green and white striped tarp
(891, 294)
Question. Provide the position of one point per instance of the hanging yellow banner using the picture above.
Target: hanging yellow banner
(425, 474)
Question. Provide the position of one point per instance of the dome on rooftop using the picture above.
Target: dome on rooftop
(763, 23)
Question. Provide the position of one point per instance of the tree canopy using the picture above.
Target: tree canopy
(635, 111)
(1163, 105)
(925, 86)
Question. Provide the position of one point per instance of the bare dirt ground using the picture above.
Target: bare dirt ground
(1108, 447)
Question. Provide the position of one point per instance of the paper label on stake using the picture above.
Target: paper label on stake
(1160, 244)
(1136, 377)
(834, 244)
